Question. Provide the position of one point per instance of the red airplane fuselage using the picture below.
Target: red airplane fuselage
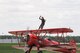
(41, 42)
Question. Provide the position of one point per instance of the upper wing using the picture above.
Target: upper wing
(51, 30)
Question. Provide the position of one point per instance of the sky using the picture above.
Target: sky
(20, 14)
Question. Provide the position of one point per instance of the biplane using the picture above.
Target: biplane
(35, 38)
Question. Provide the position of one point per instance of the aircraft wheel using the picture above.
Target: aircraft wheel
(26, 52)
(40, 52)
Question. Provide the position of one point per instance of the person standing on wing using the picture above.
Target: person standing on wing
(42, 22)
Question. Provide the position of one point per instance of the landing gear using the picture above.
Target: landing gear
(27, 52)
(40, 52)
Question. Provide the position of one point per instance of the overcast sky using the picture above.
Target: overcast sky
(20, 14)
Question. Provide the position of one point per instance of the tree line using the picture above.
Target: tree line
(60, 39)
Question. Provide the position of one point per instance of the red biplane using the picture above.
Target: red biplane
(34, 38)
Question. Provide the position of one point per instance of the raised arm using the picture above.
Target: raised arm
(40, 17)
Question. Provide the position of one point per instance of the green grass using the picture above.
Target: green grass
(6, 48)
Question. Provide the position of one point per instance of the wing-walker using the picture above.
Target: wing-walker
(35, 38)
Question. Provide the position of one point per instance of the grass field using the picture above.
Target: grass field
(6, 48)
